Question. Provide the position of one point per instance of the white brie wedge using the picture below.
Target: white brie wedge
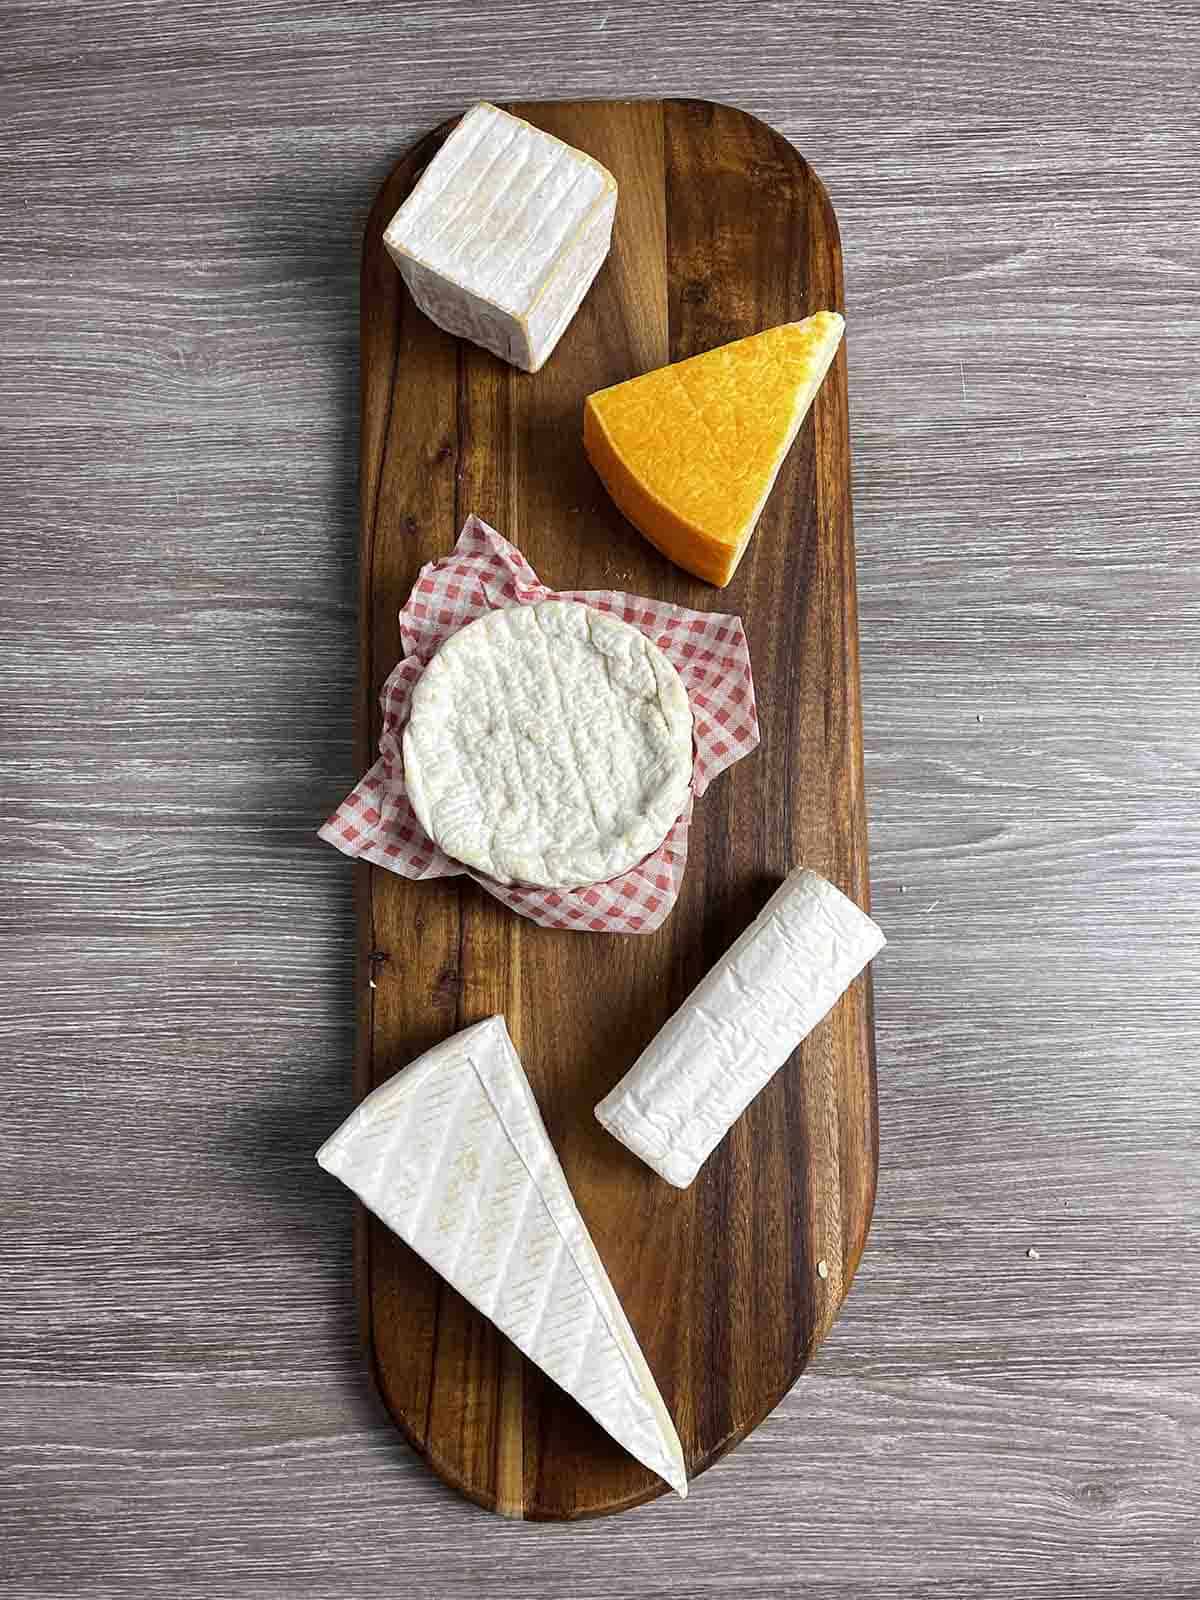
(503, 234)
(453, 1156)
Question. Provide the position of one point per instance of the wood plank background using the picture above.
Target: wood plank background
(183, 1407)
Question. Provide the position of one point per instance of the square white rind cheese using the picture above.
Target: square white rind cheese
(503, 234)
(739, 1025)
(453, 1156)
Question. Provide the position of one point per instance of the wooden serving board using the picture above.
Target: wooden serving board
(721, 230)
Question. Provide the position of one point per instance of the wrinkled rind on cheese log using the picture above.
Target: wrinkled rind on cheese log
(739, 1025)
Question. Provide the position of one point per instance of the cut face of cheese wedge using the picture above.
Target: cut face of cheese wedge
(453, 1156)
(690, 452)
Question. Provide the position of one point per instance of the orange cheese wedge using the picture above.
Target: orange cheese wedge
(690, 452)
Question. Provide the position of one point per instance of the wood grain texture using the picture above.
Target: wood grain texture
(721, 231)
(184, 191)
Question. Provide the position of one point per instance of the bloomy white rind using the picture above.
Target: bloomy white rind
(453, 1156)
(549, 745)
(503, 234)
(739, 1025)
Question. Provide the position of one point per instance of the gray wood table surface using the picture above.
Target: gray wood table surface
(183, 1410)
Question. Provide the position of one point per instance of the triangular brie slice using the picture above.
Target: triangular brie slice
(453, 1155)
(691, 452)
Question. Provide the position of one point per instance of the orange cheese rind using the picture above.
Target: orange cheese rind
(690, 452)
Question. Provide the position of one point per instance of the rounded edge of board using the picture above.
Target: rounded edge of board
(387, 197)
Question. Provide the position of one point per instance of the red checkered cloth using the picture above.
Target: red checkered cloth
(486, 573)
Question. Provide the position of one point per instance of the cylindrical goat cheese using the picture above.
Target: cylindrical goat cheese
(739, 1025)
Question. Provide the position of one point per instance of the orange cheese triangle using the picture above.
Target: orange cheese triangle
(690, 452)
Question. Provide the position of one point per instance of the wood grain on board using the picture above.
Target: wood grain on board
(721, 230)
(183, 198)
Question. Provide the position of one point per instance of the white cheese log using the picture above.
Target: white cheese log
(739, 1025)
(503, 234)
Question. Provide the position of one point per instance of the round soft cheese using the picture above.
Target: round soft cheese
(550, 745)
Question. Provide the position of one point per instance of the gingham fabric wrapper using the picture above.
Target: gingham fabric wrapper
(486, 573)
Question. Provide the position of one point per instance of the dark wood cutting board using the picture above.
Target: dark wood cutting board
(721, 230)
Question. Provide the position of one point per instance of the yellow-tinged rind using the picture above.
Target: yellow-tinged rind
(690, 452)
(416, 267)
